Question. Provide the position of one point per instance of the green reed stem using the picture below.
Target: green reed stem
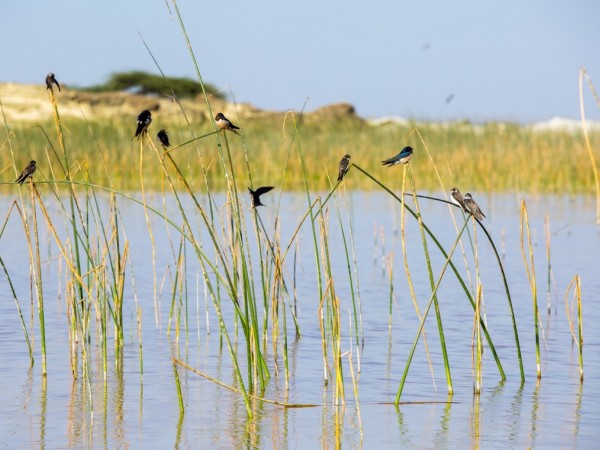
(431, 301)
(438, 315)
(478, 350)
(530, 268)
(506, 289)
(178, 387)
(355, 305)
(14, 294)
(577, 338)
(12, 288)
(38, 280)
(579, 326)
(452, 266)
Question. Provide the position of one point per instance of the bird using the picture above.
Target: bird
(163, 138)
(143, 122)
(225, 124)
(458, 199)
(257, 193)
(449, 98)
(27, 172)
(344, 165)
(50, 80)
(472, 207)
(401, 158)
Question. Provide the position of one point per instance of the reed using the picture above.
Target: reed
(586, 136)
(478, 153)
(575, 287)
(457, 274)
(246, 272)
(527, 252)
(425, 313)
(13, 207)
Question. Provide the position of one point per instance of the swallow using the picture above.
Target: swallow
(225, 124)
(344, 165)
(50, 80)
(163, 138)
(143, 122)
(472, 207)
(401, 158)
(257, 193)
(458, 199)
(27, 172)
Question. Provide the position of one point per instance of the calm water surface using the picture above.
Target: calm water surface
(135, 410)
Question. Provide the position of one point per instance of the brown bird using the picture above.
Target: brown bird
(344, 166)
(225, 124)
(458, 199)
(27, 172)
(50, 80)
(257, 193)
(473, 207)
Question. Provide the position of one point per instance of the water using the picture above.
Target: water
(130, 410)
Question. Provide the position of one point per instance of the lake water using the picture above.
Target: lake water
(134, 410)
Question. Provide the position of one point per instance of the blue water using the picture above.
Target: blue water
(134, 409)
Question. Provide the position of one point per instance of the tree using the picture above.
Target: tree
(144, 83)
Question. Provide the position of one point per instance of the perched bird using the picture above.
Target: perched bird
(472, 207)
(27, 172)
(344, 165)
(458, 199)
(50, 80)
(143, 122)
(225, 124)
(257, 193)
(163, 138)
(401, 158)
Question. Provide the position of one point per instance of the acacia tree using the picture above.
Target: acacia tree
(145, 83)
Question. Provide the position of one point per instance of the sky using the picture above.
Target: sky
(439, 60)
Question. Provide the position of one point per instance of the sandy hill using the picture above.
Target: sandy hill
(31, 103)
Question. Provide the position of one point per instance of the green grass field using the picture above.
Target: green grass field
(491, 158)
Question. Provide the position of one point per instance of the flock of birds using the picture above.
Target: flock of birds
(144, 119)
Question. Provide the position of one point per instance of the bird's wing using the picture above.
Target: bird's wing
(263, 189)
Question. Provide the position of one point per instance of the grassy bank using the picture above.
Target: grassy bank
(493, 157)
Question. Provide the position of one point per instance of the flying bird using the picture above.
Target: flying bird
(225, 124)
(143, 122)
(472, 207)
(449, 99)
(257, 193)
(344, 165)
(50, 80)
(27, 172)
(458, 199)
(401, 158)
(163, 138)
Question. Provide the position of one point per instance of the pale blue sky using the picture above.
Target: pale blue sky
(502, 60)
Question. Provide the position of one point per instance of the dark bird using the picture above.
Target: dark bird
(473, 208)
(401, 158)
(344, 165)
(257, 193)
(50, 80)
(143, 122)
(225, 124)
(27, 172)
(163, 138)
(458, 199)
(449, 98)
